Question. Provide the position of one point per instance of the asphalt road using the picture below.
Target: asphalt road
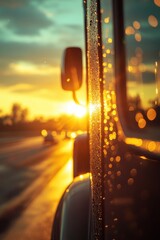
(33, 176)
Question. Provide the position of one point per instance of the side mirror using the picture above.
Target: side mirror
(71, 70)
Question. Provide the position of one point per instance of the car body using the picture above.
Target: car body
(49, 138)
(122, 77)
(77, 194)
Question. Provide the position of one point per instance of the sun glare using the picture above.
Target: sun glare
(75, 109)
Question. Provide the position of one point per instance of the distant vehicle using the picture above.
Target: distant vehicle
(48, 137)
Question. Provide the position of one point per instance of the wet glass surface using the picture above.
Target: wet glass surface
(143, 65)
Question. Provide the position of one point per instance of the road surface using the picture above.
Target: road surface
(33, 176)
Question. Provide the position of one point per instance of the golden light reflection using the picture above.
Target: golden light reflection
(108, 51)
(138, 37)
(110, 165)
(92, 108)
(133, 172)
(151, 146)
(145, 144)
(116, 119)
(106, 20)
(114, 112)
(134, 141)
(143, 157)
(151, 114)
(109, 65)
(44, 133)
(69, 166)
(112, 136)
(109, 40)
(81, 177)
(142, 123)
(129, 30)
(114, 106)
(130, 181)
(111, 159)
(157, 2)
(136, 25)
(119, 173)
(153, 21)
(105, 70)
(138, 116)
(73, 135)
(118, 158)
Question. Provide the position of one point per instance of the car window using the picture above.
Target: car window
(143, 65)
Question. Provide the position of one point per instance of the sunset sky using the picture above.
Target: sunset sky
(34, 34)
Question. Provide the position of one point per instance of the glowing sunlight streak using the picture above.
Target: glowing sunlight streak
(75, 109)
(69, 166)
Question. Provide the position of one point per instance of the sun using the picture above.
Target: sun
(75, 109)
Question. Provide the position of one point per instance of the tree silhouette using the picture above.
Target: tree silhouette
(18, 114)
(24, 115)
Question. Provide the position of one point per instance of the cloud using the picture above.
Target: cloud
(35, 31)
(24, 18)
(46, 77)
(34, 34)
(21, 87)
(37, 53)
(12, 3)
